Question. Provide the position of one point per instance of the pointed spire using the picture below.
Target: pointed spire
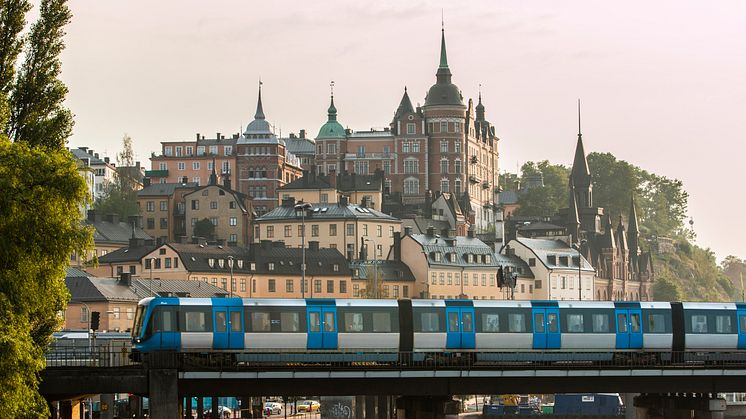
(405, 106)
(259, 110)
(573, 220)
(621, 235)
(444, 73)
(608, 237)
(480, 107)
(633, 223)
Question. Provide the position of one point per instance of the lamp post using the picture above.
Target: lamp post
(300, 209)
(375, 267)
(230, 264)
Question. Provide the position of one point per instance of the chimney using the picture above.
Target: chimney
(145, 182)
(134, 220)
(470, 233)
(289, 202)
(197, 136)
(106, 160)
(266, 244)
(235, 136)
(397, 245)
(125, 278)
(333, 179)
(313, 245)
(292, 136)
(364, 202)
(407, 231)
(135, 242)
(217, 136)
(344, 201)
(430, 231)
(113, 218)
(302, 133)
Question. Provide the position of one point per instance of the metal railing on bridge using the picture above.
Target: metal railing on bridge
(340, 361)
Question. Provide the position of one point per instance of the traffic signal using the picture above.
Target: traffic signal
(95, 320)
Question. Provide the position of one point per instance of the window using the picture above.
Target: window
(162, 166)
(180, 166)
(350, 229)
(355, 290)
(213, 204)
(130, 313)
(164, 222)
(457, 166)
(164, 205)
(271, 266)
(214, 221)
(444, 126)
(233, 221)
(271, 285)
(289, 285)
(411, 166)
(195, 165)
(228, 150)
(168, 151)
(457, 126)
(167, 263)
(150, 206)
(195, 204)
(332, 229)
(331, 148)
(243, 285)
(317, 286)
(411, 186)
(415, 146)
(411, 128)
(214, 149)
(532, 262)
(444, 146)
(405, 147)
(315, 230)
(330, 286)
(444, 185)
(233, 238)
(444, 166)
(84, 315)
(301, 230)
(288, 231)
(600, 323)
(343, 287)
(270, 232)
(517, 323)
(195, 319)
(434, 278)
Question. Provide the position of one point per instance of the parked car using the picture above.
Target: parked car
(223, 411)
(309, 406)
(274, 408)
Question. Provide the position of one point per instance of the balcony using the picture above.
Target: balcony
(156, 173)
(368, 156)
(485, 185)
(473, 179)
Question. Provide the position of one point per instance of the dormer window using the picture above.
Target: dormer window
(552, 259)
(240, 264)
(336, 267)
(487, 259)
(452, 257)
(437, 256)
(252, 266)
(221, 262)
(271, 266)
(211, 262)
(470, 258)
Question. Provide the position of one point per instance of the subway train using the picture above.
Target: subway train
(308, 330)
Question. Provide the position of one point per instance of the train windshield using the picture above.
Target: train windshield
(139, 314)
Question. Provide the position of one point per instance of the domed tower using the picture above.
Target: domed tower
(330, 143)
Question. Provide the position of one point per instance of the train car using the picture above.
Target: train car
(315, 330)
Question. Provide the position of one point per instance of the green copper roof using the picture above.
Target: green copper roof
(443, 92)
(443, 56)
(332, 128)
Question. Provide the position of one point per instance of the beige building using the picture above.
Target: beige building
(555, 268)
(328, 189)
(163, 210)
(357, 231)
(228, 210)
(454, 267)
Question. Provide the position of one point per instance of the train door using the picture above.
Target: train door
(228, 325)
(322, 326)
(165, 324)
(460, 332)
(546, 327)
(628, 328)
(741, 314)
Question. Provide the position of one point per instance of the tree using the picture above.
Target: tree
(120, 196)
(37, 114)
(665, 289)
(42, 192)
(204, 228)
(547, 199)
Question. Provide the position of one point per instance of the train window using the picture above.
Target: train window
(634, 321)
(699, 324)
(575, 323)
(539, 322)
(742, 319)
(600, 323)
(468, 322)
(236, 321)
(657, 320)
(381, 322)
(196, 319)
(329, 325)
(552, 325)
(314, 320)
(289, 322)
(621, 321)
(453, 321)
(723, 324)
(429, 322)
(490, 323)
(517, 323)
(164, 320)
(220, 323)
(260, 322)
(353, 322)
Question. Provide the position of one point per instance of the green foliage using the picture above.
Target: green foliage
(551, 197)
(204, 228)
(38, 116)
(12, 22)
(696, 274)
(120, 196)
(734, 269)
(40, 226)
(665, 289)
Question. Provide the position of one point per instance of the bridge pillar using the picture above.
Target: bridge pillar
(629, 405)
(107, 406)
(383, 407)
(70, 409)
(163, 393)
(370, 407)
(426, 408)
(359, 406)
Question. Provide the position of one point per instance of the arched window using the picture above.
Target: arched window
(457, 187)
(411, 186)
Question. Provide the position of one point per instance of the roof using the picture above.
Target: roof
(300, 146)
(326, 212)
(88, 289)
(539, 225)
(259, 126)
(332, 128)
(387, 270)
(543, 248)
(176, 287)
(196, 257)
(461, 246)
(420, 224)
(287, 260)
(508, 197)
(405, 106)
(82, 153)
(127, 254)
(443, 92)
(238, 197)
(120, 232)
(165, 189)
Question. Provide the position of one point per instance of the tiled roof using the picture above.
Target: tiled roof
(83, 154)
(461, 246)
(89, 289)
(387, 270)
(420, 224)
(121, 232)
(327, 212)
(127, 254)
(507, 197)
(544, 248)
(170, 287)
(164, 189)
(299, 146)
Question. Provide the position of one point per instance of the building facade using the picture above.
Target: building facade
(228, 210)
(194, 161)
(162, 207)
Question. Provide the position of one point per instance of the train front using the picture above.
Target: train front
(139, 338)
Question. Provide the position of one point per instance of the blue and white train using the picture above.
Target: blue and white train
(491, 330)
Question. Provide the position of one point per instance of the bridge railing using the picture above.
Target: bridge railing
(326, 361)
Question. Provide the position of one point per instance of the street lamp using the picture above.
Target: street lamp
(300, 209)
(230, 264)
(375, 267)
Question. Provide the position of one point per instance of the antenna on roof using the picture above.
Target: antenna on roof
(331, 86)
(579, 132)
(442, 20)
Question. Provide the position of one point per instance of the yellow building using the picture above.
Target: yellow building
(229, 212)
(315, 188)
(357, 231)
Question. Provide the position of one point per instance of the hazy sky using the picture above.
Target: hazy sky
(662, 83)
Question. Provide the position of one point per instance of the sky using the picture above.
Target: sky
(661, 83)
